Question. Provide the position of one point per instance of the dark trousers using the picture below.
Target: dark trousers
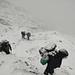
(23, 36)
(7, 52)
(49, 69)
(28, 37)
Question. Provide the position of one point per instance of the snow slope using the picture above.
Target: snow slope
(25, 58)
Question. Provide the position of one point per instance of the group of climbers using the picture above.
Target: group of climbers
(24, 34)
(5, 45)
(49, 55)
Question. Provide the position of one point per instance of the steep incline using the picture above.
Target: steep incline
(25, 58)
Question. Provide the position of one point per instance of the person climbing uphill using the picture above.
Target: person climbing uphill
(28, 35)
(52, 57)
(23, 34)
(5, 46)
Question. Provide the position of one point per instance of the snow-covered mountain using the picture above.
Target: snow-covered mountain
(25, 58)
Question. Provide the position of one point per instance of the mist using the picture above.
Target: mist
(56, 14)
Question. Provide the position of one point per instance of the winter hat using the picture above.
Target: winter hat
(51, 46)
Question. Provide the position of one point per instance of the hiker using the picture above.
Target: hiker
(45, 53)
(53, 59)
(5, 47)
(23, 34)
(28, 35)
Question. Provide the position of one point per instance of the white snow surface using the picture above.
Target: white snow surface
(25, 57)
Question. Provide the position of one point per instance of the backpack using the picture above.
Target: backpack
(64, 53)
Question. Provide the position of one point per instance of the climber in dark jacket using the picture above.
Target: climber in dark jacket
(5, 47)
(55, 60)
(23, 34)
(28, 35)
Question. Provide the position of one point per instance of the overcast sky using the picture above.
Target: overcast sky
(58, 13)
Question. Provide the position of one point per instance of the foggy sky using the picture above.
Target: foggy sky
(58, 14)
